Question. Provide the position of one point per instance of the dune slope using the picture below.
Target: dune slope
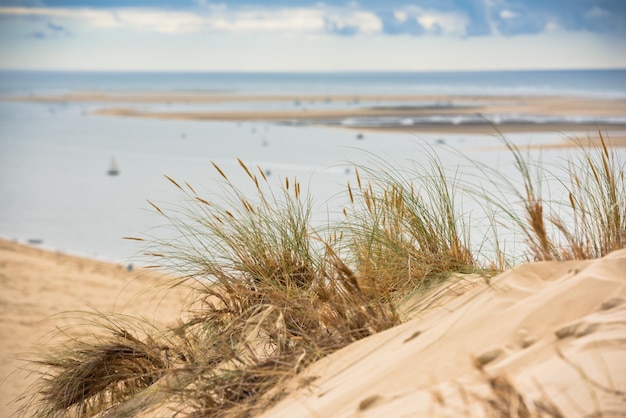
(41, 291)
(555, 330)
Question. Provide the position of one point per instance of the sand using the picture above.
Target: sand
(557, 330)
(377, 106)
(40, 289)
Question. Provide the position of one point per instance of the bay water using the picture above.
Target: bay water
(54, 157)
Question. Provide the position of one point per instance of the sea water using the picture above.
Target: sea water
(54, 157)
(608, 83)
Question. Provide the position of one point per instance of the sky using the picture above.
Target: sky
(306, 35)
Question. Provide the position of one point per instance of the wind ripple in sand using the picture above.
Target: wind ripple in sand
(556, 330)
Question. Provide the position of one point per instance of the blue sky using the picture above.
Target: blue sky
(304, 35)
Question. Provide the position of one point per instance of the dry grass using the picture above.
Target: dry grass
(86, 375)
(404, 229)
(585, 220)
(274, 295)
(508, 402)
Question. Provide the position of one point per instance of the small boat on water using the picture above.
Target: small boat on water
(113, 169)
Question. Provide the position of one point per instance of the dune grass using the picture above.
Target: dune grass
(585, 220)
(404, 229)
(273, 294)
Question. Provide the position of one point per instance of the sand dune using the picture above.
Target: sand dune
(40, 289)
(557, 330)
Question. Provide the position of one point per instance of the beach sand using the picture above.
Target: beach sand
(42, 290)
(556, 330)
(352, 106)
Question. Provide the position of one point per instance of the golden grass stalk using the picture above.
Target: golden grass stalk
(404, 228)
(273, 294)
(588, 222)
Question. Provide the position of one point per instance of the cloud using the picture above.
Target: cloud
(552, 26)
(24, 3)
(50, 30)
(295, 20)
(217, 18)
(352, 22)
(520, 17)
(285, 20)
(37, 35)
(158, 21)
(453, 18)
(507, 14)
(443, 23)
(56, 28)
(400, 16)
(596, 13)
(418, 21)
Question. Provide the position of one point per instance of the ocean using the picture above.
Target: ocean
(54, 157)
(605, 83)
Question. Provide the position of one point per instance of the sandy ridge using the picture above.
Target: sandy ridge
(39, 290)
(557, 330)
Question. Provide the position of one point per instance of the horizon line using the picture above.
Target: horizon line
(361, 71)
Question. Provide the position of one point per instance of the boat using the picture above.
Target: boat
(113, 169)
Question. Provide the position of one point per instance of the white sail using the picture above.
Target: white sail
(113, 169)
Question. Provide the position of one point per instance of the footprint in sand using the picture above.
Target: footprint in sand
(603, 317)
(369, 402)
(611, 303)
(487, 357)
(523, 338)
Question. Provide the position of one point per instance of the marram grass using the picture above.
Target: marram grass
(273, 294)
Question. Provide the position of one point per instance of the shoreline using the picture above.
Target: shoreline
(332, 119)
(433, 114)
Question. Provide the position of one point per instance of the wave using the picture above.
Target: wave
(477, 119)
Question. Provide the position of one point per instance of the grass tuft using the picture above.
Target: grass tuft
(404, 230)
(273, 294)
(585, 220)
(86, 376)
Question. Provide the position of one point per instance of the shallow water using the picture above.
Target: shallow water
(54, 159)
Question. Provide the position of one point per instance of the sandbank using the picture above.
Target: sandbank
(577, 114)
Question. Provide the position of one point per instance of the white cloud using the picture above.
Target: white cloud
(552, 26)
(159, 21)
(365, 22)
(301, 20)
(215, 17)
(596, 12)
(400, 15)
(286, 20)
(205, 4)
(142, 19)
(444, 23)
(507, 14)
(433, 21)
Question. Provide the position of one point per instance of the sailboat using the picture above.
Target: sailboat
(113, 169)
